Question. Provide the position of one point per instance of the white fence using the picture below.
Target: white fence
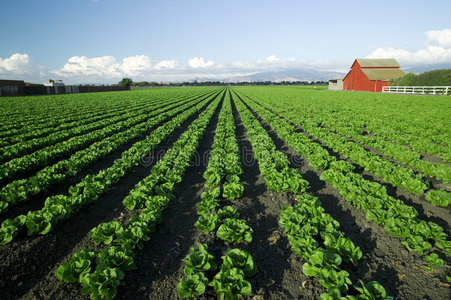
(421, 90)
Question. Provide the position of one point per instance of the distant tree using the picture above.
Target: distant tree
(430, 78)
(406, 80)
(434, 77)
(126, 82)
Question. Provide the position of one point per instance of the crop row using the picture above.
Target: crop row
(400, 153)
(56, 113)
(307, 222)
(44, 115)
(21, 190)
(390, 172)
(400, 119)
(54, 139)
(273, 164)
(101, 272)
(420, 139)
(417, 235)
(60, 207)
(308, 227)
(83, 127)
(48, 154)
(221, 179)
(55, 133)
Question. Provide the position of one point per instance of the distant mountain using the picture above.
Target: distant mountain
(310, 74)
(424, 68)
(291, 75)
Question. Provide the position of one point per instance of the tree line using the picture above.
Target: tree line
(441, 77)
(220, 83)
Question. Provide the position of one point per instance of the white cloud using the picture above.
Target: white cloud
(441, 37)
(106, 66)
(135, 65)
(438, 51)
(272, 58)
(21, 67)
(198, 62)
(16, 64)
(109, 69)
(166, 65)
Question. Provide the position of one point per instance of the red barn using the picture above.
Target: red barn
(371, 74)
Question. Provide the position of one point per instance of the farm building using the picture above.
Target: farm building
(10, 88)
(336, 84)
(371, 74)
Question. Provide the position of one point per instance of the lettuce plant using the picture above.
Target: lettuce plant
(158, 202)
(346, 248)
(440, 198)
(165, 189)
(102, 283)
(213, 175)
(230, 284)
(416, 244)
(115, 257)
(133, 237)
(291, 219)
(206, 206)
(211, 194)
(240, 259)
(228, 212)
(334, 279)
(319, 260)
(193, 286)
(372, 291)
(335, 294)
(302, 246)
(234, 231)
(39, 222)
(106, 232)
(10, 228)
(445, 246)
(324, 266)
(199, 260)
(135, 199)
(78, 266)
(433, 261)
(233, 190)
(147, 219)
(207, 222)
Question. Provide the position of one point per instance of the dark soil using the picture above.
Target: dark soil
(384, 259)
(27, 265)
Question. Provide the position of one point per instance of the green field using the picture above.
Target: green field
(274, 192)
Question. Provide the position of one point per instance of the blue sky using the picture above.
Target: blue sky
(103, 40)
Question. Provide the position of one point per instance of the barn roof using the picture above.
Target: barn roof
(383, 74)
(378, 63)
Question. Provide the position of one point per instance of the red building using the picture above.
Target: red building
(371, 74)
